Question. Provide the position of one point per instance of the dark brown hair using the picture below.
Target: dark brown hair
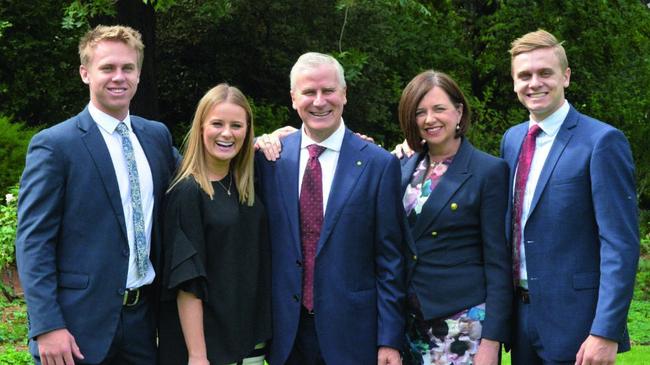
(413, 94)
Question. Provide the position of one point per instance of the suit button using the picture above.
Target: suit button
(125, 252)
(120, 291)
(434, 234)
(298, 263)
(454, 206)
(415, 257)
(296, 298)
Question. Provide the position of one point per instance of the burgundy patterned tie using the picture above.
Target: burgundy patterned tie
(311, 220)
(523, 168)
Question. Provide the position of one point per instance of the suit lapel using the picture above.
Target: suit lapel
(450, 182)
(408, 167)
(351, 164)
(96, 146)
(287, 181)
(561, 140)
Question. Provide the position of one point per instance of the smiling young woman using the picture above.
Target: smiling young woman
(216, 299)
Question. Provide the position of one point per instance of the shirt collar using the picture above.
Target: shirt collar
(105, 121)
(333, 142)
(551, 125)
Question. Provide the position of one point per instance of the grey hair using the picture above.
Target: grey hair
(311, 60)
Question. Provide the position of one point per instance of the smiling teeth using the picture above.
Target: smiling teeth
(225, 144)
(322, 114)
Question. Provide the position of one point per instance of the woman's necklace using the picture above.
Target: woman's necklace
(224, 186)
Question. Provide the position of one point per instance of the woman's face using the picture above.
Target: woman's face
(224, 131)
(437, 117)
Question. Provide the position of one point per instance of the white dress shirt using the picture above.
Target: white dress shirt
(107, 126)
(328, 159)
(550, 127)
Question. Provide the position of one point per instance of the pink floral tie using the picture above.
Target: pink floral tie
(523, 168)
(311, 220)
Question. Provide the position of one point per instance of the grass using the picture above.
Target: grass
(639, 355)
(13, 333)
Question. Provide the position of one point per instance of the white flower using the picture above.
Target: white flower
(9, 198)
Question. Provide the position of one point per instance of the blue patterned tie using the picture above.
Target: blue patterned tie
(141, 255)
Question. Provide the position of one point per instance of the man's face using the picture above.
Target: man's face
(539, 81)
(112, 74)
(319, 98)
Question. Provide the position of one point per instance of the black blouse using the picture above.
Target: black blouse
(218, 250)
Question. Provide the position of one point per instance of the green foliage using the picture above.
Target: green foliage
(39, 64)
(78, 12)
(268, 117)
(4, 25)
(8, 222)
(11, 356)
(639, 322)
(14, 139)
(13, 333)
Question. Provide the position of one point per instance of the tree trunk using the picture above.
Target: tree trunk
(142, 17)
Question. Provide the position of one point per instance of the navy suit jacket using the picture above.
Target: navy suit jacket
(359, 272)
(458, 256)
(581, 237)
(71, 245)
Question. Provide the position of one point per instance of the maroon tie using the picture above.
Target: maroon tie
(311, 220)
(523, 168)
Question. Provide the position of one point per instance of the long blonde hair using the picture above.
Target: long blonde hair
(194, 161)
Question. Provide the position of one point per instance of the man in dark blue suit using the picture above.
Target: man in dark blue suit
(87, 244)
(337, 270)
(574, 214)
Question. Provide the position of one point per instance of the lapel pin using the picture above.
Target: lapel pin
(454, 206)
(359, 163)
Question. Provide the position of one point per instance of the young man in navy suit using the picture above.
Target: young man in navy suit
(338, 284)
(575, 225)
(87, 244)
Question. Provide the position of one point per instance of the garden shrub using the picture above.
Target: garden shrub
(14, 139)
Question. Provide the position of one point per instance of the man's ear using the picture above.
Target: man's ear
(293, 100)
(83, 72)
(567, 76)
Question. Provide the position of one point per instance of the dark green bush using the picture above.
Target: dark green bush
(14, 139)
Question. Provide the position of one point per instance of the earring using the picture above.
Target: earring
(457, 126)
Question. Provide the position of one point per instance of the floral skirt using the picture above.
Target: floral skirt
(444, 341)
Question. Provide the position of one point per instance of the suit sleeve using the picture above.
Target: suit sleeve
(615, 207)
(389, 259)
(496, 254)
(40, 208)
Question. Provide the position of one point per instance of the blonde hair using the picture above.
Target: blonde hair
(119, 33)
(536, 40)
(194, 155)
